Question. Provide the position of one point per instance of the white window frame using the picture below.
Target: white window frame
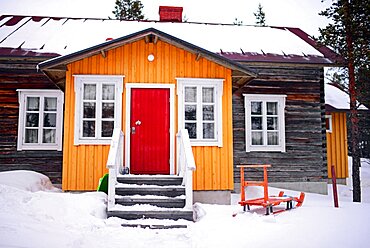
(330, 121)
(217, 84)
(79, 81)
(280, 99)
(22, 96)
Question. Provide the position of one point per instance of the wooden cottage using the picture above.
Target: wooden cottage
(31, 114)
(241, 102)
(150, 85)
(336, 110)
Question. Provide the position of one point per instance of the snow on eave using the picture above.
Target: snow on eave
(58, 35)
(62, 60)
(338, 99)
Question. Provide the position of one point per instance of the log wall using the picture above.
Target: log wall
(305, 156)
(20, 73)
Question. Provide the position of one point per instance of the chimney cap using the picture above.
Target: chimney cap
(173, 8)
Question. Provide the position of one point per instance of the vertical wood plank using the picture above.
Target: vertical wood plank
(84, 164)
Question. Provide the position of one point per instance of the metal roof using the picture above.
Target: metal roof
(63, 60)
(64, 35)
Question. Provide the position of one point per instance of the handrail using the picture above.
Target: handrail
(185, 165)
(114, 164)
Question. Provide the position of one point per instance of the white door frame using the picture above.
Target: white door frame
(171, 87)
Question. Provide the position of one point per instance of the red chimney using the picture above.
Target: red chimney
(170, 14)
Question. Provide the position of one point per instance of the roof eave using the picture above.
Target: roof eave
(66, 59)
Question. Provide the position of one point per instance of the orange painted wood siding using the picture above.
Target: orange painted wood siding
(83, 165)
(337, 149)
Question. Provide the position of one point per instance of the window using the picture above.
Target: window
(98, 108)
(200, 110)
(328, 123)
(40, 120)
(264, 121)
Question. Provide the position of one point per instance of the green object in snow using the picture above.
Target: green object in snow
(103, 183)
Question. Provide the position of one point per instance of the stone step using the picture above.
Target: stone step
(159, 202)
(158, 214)
(142, 190)
(150, 180)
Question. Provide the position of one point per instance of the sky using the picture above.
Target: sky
(291, 13)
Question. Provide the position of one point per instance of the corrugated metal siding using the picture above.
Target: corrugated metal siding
(337, 146)
(83, 165)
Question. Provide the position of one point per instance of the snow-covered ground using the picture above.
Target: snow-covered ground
(35, 214)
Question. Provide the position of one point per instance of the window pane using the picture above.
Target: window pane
(50, 104)
(208, 113)
(256, 123)
(33, 103)
(50, 120)
(108, 92)
(107, 128)
(190, 112)
(192, 129)
(89, 110)
(108, 110)
(32, 120)
(272, 138)
(272, 123)
(89, 91)
(256, 108)
(31, 136)
(190, 94)
(88, 129)
(257, 138)
(328, 123)
(272, 108)
(208, 130)
(207, 94)
(48, 136)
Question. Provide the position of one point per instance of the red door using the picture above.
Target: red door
(150, 136)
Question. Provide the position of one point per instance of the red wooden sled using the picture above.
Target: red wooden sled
(267, 202)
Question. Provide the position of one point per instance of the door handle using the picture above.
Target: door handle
(133, 130)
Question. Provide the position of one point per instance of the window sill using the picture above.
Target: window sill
(266, 149)
(38, 148)
(206, 143)
(93, 142)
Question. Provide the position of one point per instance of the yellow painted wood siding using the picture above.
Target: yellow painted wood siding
(337, 149)
(83, 165)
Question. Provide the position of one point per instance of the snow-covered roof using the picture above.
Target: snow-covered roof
(69, 35)
(337, 98)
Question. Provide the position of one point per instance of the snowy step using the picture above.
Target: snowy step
(152, 214)
(150, 180)
(144, 197)
(154, 226)
(171, 191)
(159, 202)
(156, 223)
